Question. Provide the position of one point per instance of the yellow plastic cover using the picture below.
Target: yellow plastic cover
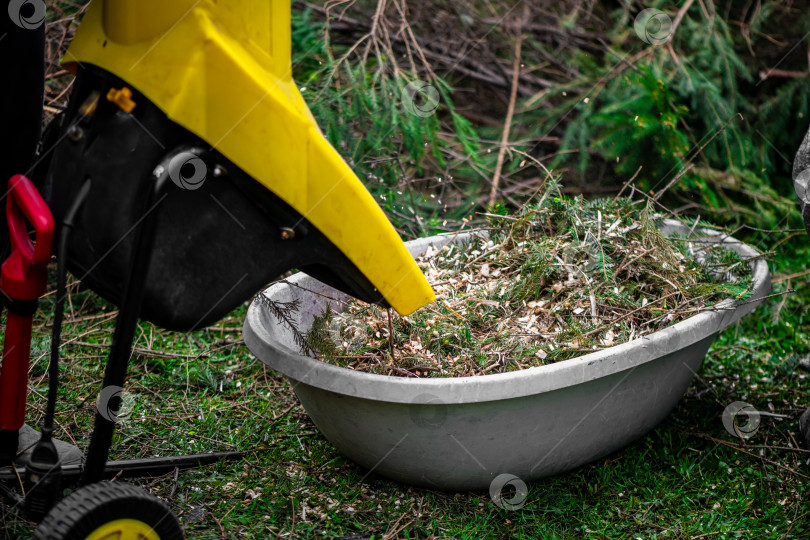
(222, 70)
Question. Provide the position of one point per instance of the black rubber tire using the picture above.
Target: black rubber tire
(89, 507)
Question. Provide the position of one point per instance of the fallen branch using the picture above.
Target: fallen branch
(508, 122)
(739, 449)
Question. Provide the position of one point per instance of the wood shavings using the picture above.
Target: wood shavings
(553, 282)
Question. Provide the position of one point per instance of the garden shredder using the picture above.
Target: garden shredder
(185, 173)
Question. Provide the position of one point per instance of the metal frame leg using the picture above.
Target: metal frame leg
(121, 349)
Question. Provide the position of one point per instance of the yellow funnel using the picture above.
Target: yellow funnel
(222, 70)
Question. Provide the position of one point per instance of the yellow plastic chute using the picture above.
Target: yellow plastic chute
(222, 70)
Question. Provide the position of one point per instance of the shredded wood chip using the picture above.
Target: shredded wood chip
(553, 282)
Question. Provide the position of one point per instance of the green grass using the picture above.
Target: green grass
(679, 481)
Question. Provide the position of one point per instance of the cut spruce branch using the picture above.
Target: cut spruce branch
(285, 313)
(559, 279)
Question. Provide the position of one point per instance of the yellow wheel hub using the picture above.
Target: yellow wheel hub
(124, 529)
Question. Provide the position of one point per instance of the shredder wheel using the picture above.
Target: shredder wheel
(110, 510)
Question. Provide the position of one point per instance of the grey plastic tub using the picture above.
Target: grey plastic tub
(461, 433)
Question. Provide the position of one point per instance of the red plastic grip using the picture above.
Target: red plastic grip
(23, 277)
(14, 372)
(24, 273)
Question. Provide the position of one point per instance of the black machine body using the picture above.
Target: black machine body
(220, 236)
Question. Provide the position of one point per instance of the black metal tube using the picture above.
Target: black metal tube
(58, 310)
(134, 468)
(22, 55)
(156, 466)
(127, 321)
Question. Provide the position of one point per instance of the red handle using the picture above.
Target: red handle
(25, 204)
(24, 274)
(23, 278)
(14, 372)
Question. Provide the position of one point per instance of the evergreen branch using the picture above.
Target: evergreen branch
(284, 312)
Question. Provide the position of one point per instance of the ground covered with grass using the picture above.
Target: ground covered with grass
(711, 117)
(204, 391)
